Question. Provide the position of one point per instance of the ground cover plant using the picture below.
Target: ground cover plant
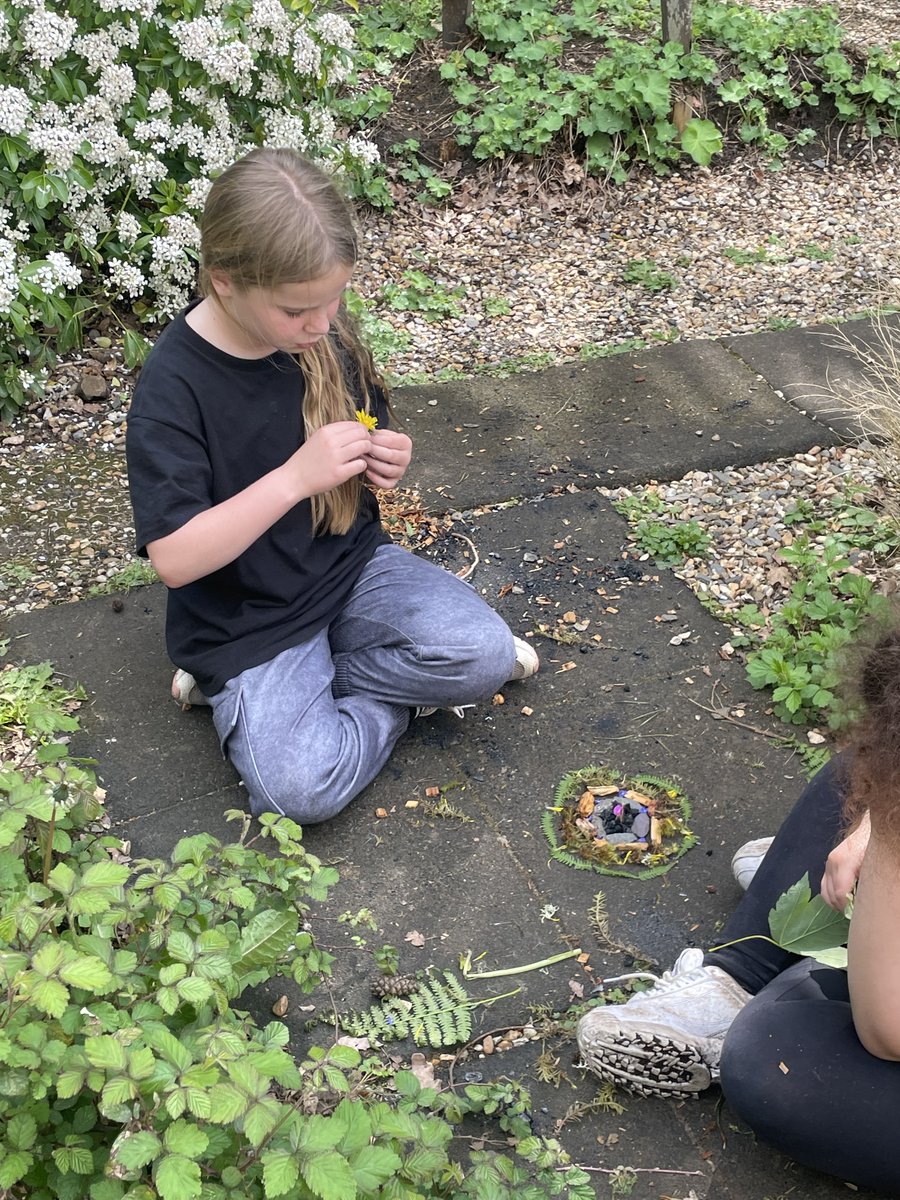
(128, 1069)
(113, 117)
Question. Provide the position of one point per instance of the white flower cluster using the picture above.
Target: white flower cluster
(15, 109)
(9, 276)
(335, 31)
(56, 275)
(225, 58)
(141, 8)
(124, 125)
(47, 36)
(126, 278)
(306, 55)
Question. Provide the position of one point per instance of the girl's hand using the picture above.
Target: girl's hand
(843, 865)
(388, 457)
(330, 456)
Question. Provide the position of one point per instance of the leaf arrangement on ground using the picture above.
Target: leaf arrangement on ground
(578, 839)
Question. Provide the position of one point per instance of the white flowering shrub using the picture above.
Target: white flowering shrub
(114, 117)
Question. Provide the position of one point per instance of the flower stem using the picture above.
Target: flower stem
(535, 966)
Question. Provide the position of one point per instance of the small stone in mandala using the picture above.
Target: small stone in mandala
(619, 839)
(641, 826)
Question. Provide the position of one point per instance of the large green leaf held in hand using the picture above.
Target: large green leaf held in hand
(805, 924)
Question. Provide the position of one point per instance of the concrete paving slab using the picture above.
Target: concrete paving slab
(482, 884)
(622, 420)
(816, 366)
(482, 880)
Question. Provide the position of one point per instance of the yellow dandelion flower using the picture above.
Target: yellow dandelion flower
(367, 419)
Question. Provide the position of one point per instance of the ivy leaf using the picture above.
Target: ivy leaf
(184, 1137)
(280, 1172)
(329, 1176)
(137, 1149)
(177, 1178)
(803, 923)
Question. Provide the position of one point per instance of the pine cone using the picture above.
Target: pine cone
(394, 985)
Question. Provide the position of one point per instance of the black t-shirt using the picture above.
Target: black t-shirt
(203, 426)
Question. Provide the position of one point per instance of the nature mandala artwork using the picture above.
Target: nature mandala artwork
(605, 821)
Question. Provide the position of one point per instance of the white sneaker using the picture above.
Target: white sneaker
(458, 710)
(747, 859)
(527, 661)
(185, 690)
(666, 1041)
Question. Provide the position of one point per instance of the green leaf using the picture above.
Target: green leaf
(21, 1131)
(261, 1120)
(14, 1167)
(374, 1165)
(227, 1103)
(50, 996)
(135, 1150)
(181, 946)
(88, 973)
(105, 1052)
(831, 958)
(265, 940)
(135, 347)
(105, 874)
(177, 1178)
(355, 1127)
(160, 1040)
(194, 990)
(329, 1176)
(701, 140)
(803, 923)
(280, 1171)
(184, 1137)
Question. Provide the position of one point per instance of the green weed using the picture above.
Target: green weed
(646, 273)
(137, 573)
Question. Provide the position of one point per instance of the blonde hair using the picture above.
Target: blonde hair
(274, 218)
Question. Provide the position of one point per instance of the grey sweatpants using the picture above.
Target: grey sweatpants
(310, 729)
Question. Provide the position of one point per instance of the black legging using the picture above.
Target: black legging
(793, 1067)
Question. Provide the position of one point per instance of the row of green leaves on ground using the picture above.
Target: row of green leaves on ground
(595, 79)
(796, 649)
(127, 1072)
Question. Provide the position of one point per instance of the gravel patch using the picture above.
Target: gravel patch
(709, 254)
(743, 511)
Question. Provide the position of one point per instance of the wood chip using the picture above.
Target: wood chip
(526, 711)
(381, 812)
(432, 791)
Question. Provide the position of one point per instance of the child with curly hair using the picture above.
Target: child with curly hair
(741, 1014)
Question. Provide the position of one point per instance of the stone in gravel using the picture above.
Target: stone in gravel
(92, 387)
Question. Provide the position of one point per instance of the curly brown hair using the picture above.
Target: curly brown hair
(872, 780)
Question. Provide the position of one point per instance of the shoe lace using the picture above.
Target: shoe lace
(686, 961)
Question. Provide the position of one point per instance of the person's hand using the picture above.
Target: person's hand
(330, 456)
(843, 865)
(388, 457)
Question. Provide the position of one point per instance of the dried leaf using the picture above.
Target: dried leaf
(415, 938)
(568, 666)
(586, 803)
(355, 1043)
(422, 1069)
(577, 988)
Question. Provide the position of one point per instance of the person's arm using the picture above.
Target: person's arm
(874, 950)
(218, 535)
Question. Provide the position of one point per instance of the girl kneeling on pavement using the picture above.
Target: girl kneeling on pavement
(742, 1014)
(257, 422)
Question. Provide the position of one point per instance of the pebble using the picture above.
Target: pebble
(641, 826)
